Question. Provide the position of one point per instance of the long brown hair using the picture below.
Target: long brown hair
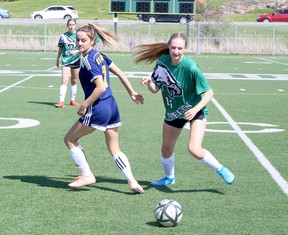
(151, 52)
(93, 30)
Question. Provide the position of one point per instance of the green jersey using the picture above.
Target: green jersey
(68, 42)
(181, 86)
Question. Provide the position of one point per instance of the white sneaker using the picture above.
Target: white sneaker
(82, 181)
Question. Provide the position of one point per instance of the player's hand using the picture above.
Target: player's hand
(145, 81)
(82, 110)
(137, 98)
(190, 114)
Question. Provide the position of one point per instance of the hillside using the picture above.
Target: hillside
(244, 6)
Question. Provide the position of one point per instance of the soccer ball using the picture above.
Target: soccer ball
(168, 213)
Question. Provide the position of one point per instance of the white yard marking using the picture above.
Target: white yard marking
(222, 76)
(133, 74)
(10, 72)
(272, 61)
(282, 183)
(21, 123)
(263, 127)
(15, 84)
(254, 62)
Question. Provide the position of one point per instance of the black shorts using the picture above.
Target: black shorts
(75, 65)
(179, 123)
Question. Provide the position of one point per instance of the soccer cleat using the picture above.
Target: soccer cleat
(82, 181)
(163, 181)
(226, 175)
(60, 104)
(73, 103)
(136, 188)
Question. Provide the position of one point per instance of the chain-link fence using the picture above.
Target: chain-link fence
(218, 37)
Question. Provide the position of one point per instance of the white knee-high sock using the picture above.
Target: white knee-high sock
(73, 91)
(168, 166)
(63, 90)
(210, 161)
(79, 158)
(123, 165)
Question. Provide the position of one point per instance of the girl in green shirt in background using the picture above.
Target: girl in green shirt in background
(68, 56)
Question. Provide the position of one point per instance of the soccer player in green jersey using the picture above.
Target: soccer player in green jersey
(69, 56)
(185, 93)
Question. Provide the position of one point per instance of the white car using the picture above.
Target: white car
(55, 12)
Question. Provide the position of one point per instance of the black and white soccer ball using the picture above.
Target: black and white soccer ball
(168, 213)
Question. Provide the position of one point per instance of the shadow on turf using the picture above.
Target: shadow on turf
(42, 181)
(146, 186)
(101, 179)
(166, 189)
(44, 103)
(154, 224)
(53, 182)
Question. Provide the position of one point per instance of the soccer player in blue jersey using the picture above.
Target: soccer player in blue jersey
(69, 58)
(99, 110)
(185, 93)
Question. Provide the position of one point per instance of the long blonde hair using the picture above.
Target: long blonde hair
(151, 52)
(93, 30)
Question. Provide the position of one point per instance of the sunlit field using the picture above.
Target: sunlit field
(246, 131)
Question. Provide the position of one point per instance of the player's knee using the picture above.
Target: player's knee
(67, 141)
(194, 151)
(167, 151)
(73, 82)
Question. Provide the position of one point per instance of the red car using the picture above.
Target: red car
(280, 15)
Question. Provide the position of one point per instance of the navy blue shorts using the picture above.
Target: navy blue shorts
(102, 115)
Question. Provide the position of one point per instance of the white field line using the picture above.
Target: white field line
(21, 81)
(15, 84)
(133, 74)
(273, 61)
(257, 153)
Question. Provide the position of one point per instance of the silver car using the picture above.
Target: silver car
(4, 13)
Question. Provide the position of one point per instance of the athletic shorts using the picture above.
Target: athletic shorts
(102, 115)
(179, 123)
(75, 65)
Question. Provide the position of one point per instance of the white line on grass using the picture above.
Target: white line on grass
(273, 61)
(258, 154)
(15, 84)
(54, 67)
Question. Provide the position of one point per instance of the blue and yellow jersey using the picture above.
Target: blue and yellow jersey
(95, 65)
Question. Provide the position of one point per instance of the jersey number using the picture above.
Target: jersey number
(169, 102)
(104, 75)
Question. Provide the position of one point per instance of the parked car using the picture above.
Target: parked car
(280, 15)
(55, 12)
(153, 18)
(4, 13)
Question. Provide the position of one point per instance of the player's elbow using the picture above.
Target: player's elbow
(211, 92)
(102, 89)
